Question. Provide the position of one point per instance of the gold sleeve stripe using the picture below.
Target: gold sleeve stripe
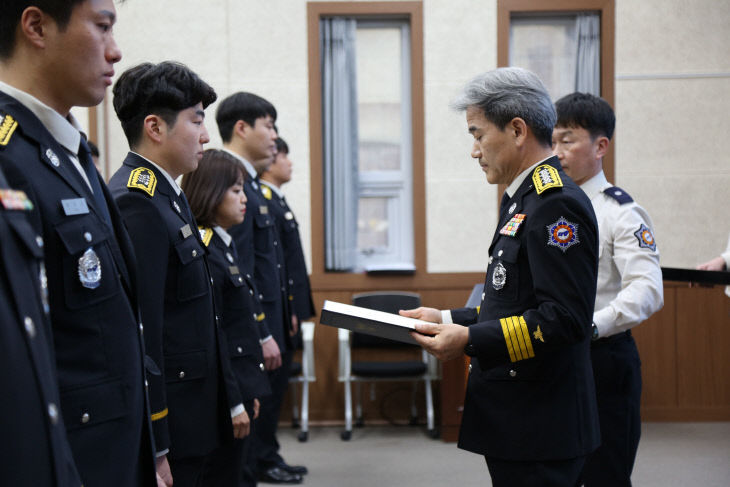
(508, 340)
(260, 317)
(517, 338)
(526, 335)
(160, 415)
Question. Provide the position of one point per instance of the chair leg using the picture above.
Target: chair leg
(304, 433)
(294, 405)
(347, 434)
(429, 410)
(359, 421)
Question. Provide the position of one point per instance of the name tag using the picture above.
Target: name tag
(264, 210)
(234, 270)
(185, 231)
(75, 206)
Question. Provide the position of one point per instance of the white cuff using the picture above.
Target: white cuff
(264, 340)
(162, 453)
(446, 316)
(235, 411)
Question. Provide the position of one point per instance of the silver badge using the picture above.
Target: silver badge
(499, 276)
(512, 208)
(90, 269)
(229, 257)
(53, 157)
(176, 206)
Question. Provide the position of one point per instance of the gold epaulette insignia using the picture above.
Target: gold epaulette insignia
(478, 308)
(266, 191)
(538, 334)
(517, 338)
(260, 317)
(143, 179)
(206, 235)
(159, 416)
(7, 127)
(545, 177)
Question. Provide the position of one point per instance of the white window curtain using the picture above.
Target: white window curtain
(340, 141)
(588, 65)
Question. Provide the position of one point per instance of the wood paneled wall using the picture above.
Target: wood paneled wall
(684, 353)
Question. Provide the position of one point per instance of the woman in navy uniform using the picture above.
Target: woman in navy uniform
(35, 450)
(216, 196)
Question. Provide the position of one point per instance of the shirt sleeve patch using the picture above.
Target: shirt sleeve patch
(645, 237)
(143, 179)
(562, 234)
(7, 128)
(621, 196)
(546, 177)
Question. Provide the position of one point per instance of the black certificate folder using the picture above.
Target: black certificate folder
(368, 321)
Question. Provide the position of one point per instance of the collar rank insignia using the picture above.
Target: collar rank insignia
(7, 127)
(206, 235)
(266, 191)
(562, 234)
(545, 177)
(538, 334)
(53, 158)
(143, 179)
(645, 237)
(13, 199)
(510, 229)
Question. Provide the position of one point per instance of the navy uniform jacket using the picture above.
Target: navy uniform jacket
(34, 448)
(530, 393)
(300, 293)
(261, 256)
(191, 415)
(98, 343)
(240, 314)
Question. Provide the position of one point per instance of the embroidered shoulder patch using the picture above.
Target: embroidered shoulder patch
(7, 127)
(645, 237)
(143, 179)
(510, 229)
(266, 191)
(206, 235)
(13, 199)
(562, 234)
(545, 177)
(621, 196)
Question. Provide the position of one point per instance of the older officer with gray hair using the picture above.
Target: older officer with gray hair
(530, 404)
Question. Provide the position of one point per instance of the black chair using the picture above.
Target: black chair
(424, 370)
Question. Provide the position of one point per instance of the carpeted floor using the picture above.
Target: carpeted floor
(670, 454)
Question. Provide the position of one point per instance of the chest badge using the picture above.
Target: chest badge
(562, 234)
(499, 276)
(89, 269)
(510, 229)
(645, 237)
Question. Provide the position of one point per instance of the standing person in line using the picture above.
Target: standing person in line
(530, 405)
(719, 263)
(54, 56)
(216, 196)
(630, 287)
(196, 403)
(246, 125)
(28, 378)
(272, 179)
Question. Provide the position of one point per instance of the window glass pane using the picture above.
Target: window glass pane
(379, 98)
(547, 46)
(372, 225)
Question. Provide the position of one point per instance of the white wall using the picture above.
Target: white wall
(670, 130)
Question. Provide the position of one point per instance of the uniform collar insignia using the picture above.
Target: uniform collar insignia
(206, 235)
(143, 179)
(7, 128)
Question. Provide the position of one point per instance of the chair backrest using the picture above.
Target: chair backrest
(390, 302)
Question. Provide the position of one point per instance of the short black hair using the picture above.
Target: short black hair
(241, 106)
(281, 146)
(586, 111)
(12, 10)
(163, 89)
(207, 185)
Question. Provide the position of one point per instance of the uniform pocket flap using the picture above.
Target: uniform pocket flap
(188, 250)
(90, 405)
(185, 366)
(81, 232)
(263, 220)
(507, 249)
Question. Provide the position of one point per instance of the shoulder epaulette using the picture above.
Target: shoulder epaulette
(545, 177)
(7, 127)
(206, 235)
(143, 179)
(266, 191)
(618, 194)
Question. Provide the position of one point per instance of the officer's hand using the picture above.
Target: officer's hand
(256, 407)
(241, 425)
(426, 314)
(163, 470)
(272, 354)
(443, 341)
(160, 482)
(294, 325)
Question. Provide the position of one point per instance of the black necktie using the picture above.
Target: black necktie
(87, 164)
(503, 204)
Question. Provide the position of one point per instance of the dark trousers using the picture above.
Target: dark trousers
(187, 472)
(227, 466)
(617, 373)
(267, 446)
(553, 473)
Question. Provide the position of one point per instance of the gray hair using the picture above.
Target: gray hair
(506, 93)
